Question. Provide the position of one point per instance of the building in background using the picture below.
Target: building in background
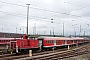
(11, 35)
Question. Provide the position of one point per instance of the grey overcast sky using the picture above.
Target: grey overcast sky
(73, 13)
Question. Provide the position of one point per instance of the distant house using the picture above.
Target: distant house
(10, 35)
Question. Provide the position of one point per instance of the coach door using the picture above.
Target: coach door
(54, 42)
(40, 44)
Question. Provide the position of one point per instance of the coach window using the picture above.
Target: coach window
(71, 40)
(50, 41)
(56, 41)
(46, 41)
(64, 41)
(75, 40)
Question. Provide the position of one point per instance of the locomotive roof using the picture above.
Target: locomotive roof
(60, 38)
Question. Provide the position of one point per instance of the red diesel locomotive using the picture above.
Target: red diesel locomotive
(21, 44)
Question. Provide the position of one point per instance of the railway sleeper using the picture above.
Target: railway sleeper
(54, 56)
(54, 59)
(60, 57)
(42, 59)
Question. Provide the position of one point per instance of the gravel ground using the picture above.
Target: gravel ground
(81, 57)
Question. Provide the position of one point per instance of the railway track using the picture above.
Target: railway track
(41, 55)
(60, 55)
(14, 56)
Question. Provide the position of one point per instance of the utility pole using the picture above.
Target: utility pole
(80, 30)
(27, 16)
(84, 34)
(63, 29)
(50, 32)
(74, 32)
(53, 27)
(16, 29)
(53, 31)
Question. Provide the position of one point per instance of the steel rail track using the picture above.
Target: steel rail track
(65, 54)
(46, 55)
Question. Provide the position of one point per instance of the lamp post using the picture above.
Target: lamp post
(34, 29)
(80, 30)
(88, 27)
(84, 34)
(27, 16)
(16, 29)
(63, 29)
(2, 29)
(74, 30)
(53, 27)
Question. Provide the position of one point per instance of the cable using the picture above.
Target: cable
(13, 4)
(31, 17)
(70, 3)
(76, 5)
(40, 9)
(20, 1)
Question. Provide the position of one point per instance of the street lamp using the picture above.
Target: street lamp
(80, 29)
(63, 29)
(53, 27)
(2, 28)
(27, 16)
(74, 30)
(88, 26)
(34, 29)
(16, 29)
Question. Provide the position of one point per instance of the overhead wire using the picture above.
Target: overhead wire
(81, 7)
(41, 9)
(45, 10)
(13, 4)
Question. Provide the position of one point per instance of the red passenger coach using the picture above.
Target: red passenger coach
(50, 42)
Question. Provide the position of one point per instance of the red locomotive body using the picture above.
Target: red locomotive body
(17, 44)
(27, 44)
